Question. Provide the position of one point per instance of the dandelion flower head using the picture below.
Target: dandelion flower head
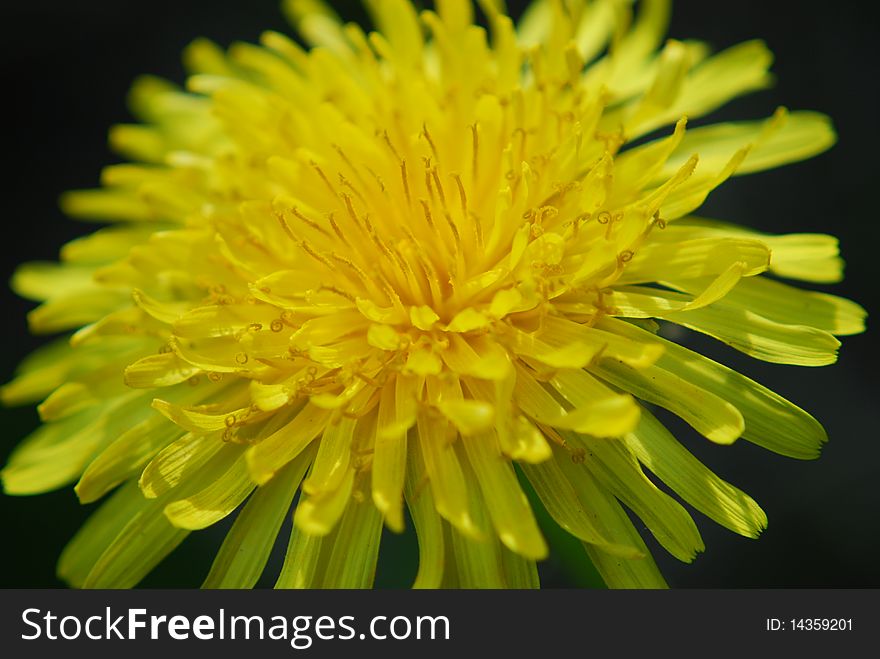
(406, 276)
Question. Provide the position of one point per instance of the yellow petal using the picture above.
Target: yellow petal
(427, 522)
(694, 258)
(577, 516)
(318, 514)
(511, 514)
(615, 468)
(225, 490)
(177, 462)
(352, 562)
(770, 420)
(708, 413)
(160, 370)
(389, 460)
(333, 457)
(445, 475)
(273, 452)
(469, 416)
(660, 452)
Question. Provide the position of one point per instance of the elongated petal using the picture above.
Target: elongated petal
(806, 256)
(125, 457)
(507, 504)
(696, 258)
(762, 338)
(660, 452)
(445, 475)
(801, 136)
(616, 469)
(318, 514)
(352, 563)
(427, 522)
(770, 420)
(301, 560)
(389, 462)
(143, 541)
(177, 462)
(224, 490)
(741, 328)
(279, 448)
(99, 530)
(788, 305)
(159, 371)
(247, 546)
(333, 457)
(577, 517)
(708, 413)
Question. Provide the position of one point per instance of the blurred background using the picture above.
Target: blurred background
(66, 68)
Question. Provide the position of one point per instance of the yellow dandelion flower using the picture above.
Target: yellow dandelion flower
(420, 269)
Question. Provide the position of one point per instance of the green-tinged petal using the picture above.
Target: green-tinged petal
(560, 331)
(162, 370)
(40, 372)
(224, 487)
(144, 540)
(76, 309)
(770, 420)
(589, 396)
(642, 302)
(659, 451)
(427, 522)
(634, 570)
(246, 548)
(99, 530)
(518, 572)
(445, 474)
(389, 461)
(301, 562)
(741, 328)
(571, 513)
(318, 514)
(333, 457)
(692, 259)
(788, 305)
(709, 413)
(52, 365)
(617, 572)
(279, 448)
(125, 457)
(352, 563)
(508, 507)
(117, 205)
(41, 280)
(56, 453)
(177, 462)
(105, 245)
(477, 562)
(197, 420)
(801, 135)
(761, 338)
(809, 257)
(615, 467)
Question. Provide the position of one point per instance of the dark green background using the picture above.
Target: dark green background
(65, 71)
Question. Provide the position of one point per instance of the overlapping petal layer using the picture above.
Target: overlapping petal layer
(416, 270)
